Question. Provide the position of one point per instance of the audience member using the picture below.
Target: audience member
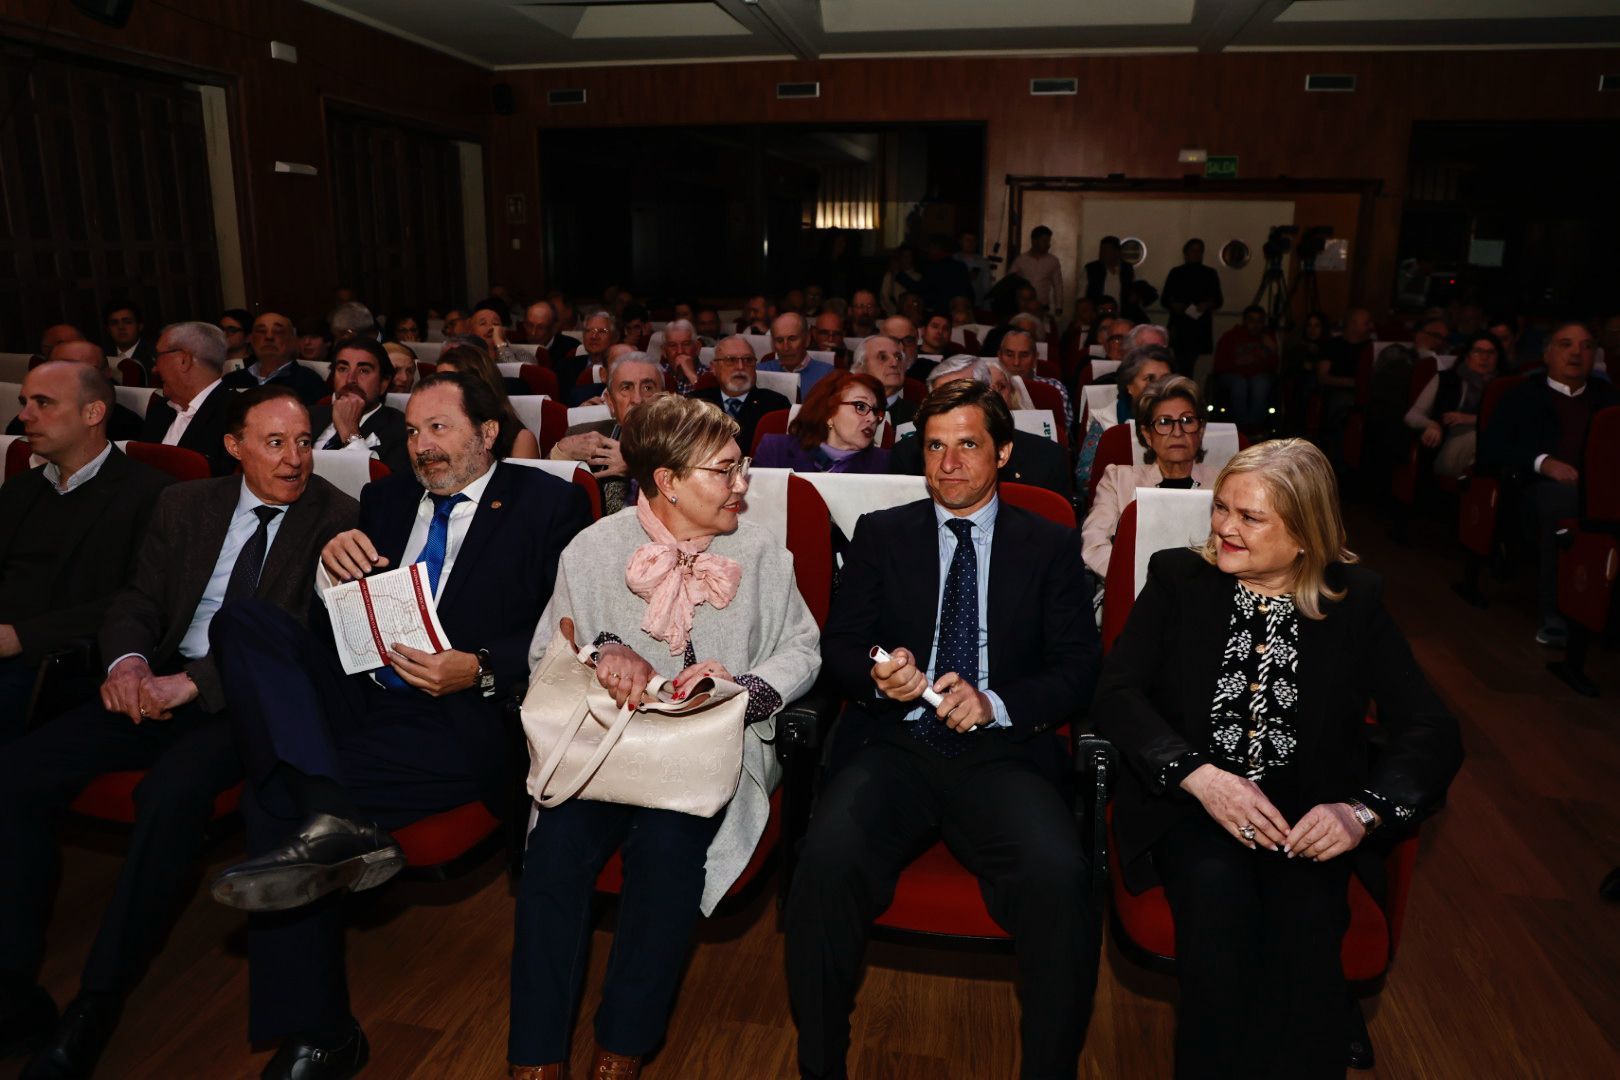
(1246, 366)
(540, 329)
(983, 769)
(273, 351)
(1042, 270)
(190, 410)
(121, 423)
(834, 430)
(1137, 371)
(792, 353)
(409, 327)
(631, 379)
(350, 320)
(1108, 274)
(126, 329)
(237, 325)
(755, 318)
(863, 314)
(405, 368)
(514, 439)
(882, 357)
(738, 394)
(635, 327)
(1338, 374)
(335, 760)
(679, 579)
(208, 544)
(69, 529)
(943, 277)
(1446, 412)
(933, 345)
(600, 333)
(1192, 293)
(679, 355)
(1507, 328)
(53, 336)
(314, 340)
(1432, 337)
(902, 330)
(978, 268)
(357, 418)
(828, 335)
(453, 320)
(901, 277)
(707, 321)
(1017, 354)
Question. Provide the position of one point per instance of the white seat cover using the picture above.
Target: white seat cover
(323, 368)
(347, 470)
(509, 371)
(588, 414)
(785, 383)
(848, 496)
(526, 354)
(766, 502)
(1100, 404)
(760, 343)
(1036, 421)
(1167, 518)
(822, 355)
(134, 398)
(426, 351)
(1104, 366)
(527, 407)
(562, 470)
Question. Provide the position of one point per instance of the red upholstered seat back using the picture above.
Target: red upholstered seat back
(553, 424)
(915, 390)
(1601, 472)
(1114, 448)
(131, 373)
(111, 797)
(1049, 504)
(1119, 589)
(810, 540)
(16, 458)
(772, 423)
(178, 462)
(539, 379)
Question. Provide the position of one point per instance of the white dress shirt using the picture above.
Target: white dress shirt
(365, 442)
(178, 426)
(85, 474)
(461, 516)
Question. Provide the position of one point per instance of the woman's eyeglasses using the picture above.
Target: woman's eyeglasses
(863, 408)
(732, 473)
(1188, 424)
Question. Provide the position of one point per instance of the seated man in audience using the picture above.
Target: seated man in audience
(333, 760)
(985, 603)
(122, 423)
(882, 357)
(314, 338)
(358, 419)
(126, 329)
(540, 329)
(453, 322)
(632, 379)
(707, 321)
(1537, 437)
(274, 348)
(679, 355)
(1142, 335)
(1336, 378)
(1034, 460)
(1017, 354)
(237, 325)
(1432, 337)
(189, 411)
(863, 314)
(636, 328)
(69, 529)
(902, 329)
(911, 306)
(933, 345)
(789, 334)
(739, 393)
(351, 319)
(1246, 365)
(828, 336)
(600, 332)
(208, 543)
(943, 276)
(51, 338)
(755, 317)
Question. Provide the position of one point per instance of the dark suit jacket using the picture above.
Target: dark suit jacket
(1525, 423)
(561, 348)
(205, 434)
(1097, 274)
(387, 423)
(1154, 699)
(902, 412)
(93, 561)
(1044, 650)
(309, 386)
(1035, 460)
(758, 402)
(123, 424)
(498, 587)
(151, 615)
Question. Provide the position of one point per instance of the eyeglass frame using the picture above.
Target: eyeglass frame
(863, 408)
(733, 472)
(1195, 421)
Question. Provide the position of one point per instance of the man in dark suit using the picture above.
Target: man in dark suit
(1537, 439)
(1034, 460)
(68, 529)
(126, 334)
(208, 543)
(275, 352)
(1108, 274)
(1000, 626)
(883, 356)
(122, 423)
(190, 410)
(632, 379)
(540, 328)
(358, 417)
(332, 759)
(735, 367)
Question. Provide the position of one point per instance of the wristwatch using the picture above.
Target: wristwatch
(486, 674)
(1369, 820)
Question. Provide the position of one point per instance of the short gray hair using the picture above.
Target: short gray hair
(204, 341)
(679, 324)
(627, 358)
(352, 319)
(1030, 324)
(1134, 360)
(602, 313)
(1133, 339)
(979, 368)
(857, 361)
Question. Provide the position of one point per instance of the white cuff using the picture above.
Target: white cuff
(121, 659)
(1536, 465)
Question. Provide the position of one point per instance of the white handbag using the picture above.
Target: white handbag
(670, 755)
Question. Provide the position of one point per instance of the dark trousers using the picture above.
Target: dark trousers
(399, 756)
(1549, 502)
(1006, 821)
(16, 688)
(191, 760)
(1257, 953)
(663, 855)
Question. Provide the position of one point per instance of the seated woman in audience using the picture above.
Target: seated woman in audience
(1446, 411)
(410, 325)
(1169, 424)
(1140, 368)
(405, 369)
(1238, 696)
(834, 430)
(515, 440)
(679, 579)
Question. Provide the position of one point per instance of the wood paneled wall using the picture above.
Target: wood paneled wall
(1131, 115)
(277, 108)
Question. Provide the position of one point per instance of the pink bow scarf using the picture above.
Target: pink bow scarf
(674, 577)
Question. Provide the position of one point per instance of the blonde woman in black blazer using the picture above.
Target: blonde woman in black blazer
(1237, 696)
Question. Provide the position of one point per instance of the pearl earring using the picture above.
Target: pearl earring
(673, 500)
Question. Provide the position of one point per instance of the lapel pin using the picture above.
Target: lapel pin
(496, 505)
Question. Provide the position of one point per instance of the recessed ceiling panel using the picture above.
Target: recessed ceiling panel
(923, 17)
(608, 21)
(1409, 11)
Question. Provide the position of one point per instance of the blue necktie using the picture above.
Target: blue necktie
(958, 646)
(734, 407)
(438, 539)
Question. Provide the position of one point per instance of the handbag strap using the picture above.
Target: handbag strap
(610, 739)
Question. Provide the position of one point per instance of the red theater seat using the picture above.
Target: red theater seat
(539, 380)
(111, 797)
(772, 423)
(178, 462)
(438, 845)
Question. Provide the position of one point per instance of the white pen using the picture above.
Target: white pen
(881, 656)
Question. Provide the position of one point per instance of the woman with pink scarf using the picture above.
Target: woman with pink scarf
(675, 586)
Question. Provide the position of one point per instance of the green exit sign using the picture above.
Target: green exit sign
(1221, 168)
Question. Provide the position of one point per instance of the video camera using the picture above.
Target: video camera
(1281, 238)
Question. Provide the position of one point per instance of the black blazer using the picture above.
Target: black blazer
(1044, 650)
(205, 434)
(758, 402)
(561, 348)
(902, 412)
(497, 589)
(93, 559)
(1525, 423)
(387, 423)
(1035, 460)
(1097, 274)
(151, 616)
(1154, 700)
(304, 382)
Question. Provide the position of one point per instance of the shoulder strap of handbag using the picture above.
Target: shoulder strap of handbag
(610, 739)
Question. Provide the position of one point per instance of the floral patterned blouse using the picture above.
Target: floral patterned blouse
(1257, 693)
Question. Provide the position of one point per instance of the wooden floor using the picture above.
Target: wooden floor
(1510, 966)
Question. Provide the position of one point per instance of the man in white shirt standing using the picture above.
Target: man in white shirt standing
(1041, 269)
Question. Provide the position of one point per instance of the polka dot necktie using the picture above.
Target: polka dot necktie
(734, 407)
(958, 646)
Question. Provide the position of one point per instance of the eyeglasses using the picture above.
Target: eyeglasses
(732, 473)
(746, 361)
(1188, 424)
(863, 408)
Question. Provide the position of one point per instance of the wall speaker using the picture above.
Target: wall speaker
(502, 98)
(111, 12)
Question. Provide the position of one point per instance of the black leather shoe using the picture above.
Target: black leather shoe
(26, 1018)
(1361, 1048)
(80, 1037)
(302, 1059)
(329, 853)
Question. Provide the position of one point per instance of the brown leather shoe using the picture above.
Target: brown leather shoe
(611, 1066)
(537, 1072)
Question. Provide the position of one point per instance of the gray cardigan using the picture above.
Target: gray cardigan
(766, 631)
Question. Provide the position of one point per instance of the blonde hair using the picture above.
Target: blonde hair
(1305, 496)
(672, 432)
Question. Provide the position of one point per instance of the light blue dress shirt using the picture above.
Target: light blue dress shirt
(813, 372)
(984, 531)
(243, 522)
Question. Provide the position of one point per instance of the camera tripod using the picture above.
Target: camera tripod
(1276, 293)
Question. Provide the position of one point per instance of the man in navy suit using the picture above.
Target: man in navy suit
(334, 760)
(1000, 626)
